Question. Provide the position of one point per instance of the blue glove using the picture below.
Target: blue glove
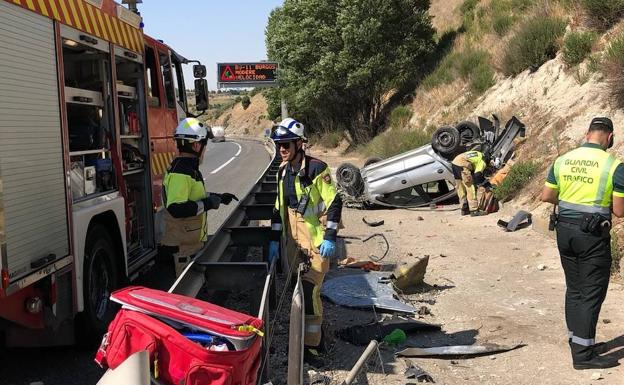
(273, 251)
(328, 248)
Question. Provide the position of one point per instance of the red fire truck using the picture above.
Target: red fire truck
(88, 105)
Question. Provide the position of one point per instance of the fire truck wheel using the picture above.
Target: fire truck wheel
(100, 280)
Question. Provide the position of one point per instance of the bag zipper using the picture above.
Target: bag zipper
(199, 328)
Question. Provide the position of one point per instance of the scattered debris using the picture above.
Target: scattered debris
(424, 310)
(535, 254)
(395, 337)
(362, 334)
(373, 257)
(315, 377)
(364, 290)
(606, 321)
(413, 371)
(541, 267)
(458, 350)
(596, 376)
(364, 265)
(443, 255)
(419, 218)
(373, 223)
(411, 274)
(372, 347)
(521, 220)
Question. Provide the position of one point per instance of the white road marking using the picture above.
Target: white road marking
(240, 148)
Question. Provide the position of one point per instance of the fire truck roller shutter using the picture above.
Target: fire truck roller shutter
(32, 191)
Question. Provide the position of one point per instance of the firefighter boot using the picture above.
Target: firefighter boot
(596, 362)
(465, 210)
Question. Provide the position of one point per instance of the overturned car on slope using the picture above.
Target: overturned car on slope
(424, 176)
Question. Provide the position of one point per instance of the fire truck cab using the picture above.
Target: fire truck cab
(88, 106)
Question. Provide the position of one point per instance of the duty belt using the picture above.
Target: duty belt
(605, 224)
(572, 221)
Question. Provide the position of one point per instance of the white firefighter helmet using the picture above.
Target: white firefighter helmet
(192, 130)
(289, 129)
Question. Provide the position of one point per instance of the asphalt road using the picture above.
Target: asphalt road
(231, 166)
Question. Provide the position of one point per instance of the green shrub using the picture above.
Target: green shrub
(468, 60)
(522, 5)
(502, 23)
(397, 141)
(443, 74)
(593, 63)
(330, 139)
(535, 43)
(519, 176)
(576, 46)
(482, 79)
(400, 116)
(245, 102)
(604, 13)
(468, 6)
(471, 64)
(613, 68)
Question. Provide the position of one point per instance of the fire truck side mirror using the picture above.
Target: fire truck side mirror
(201, 94)
(199, 71)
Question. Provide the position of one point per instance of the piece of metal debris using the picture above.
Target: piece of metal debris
(521, 220)
(411, 274)
(373, 223)
(364, 290)
(362, 334)
(413, 371)
(457, 350)
(370, 349)
(372, 257)
(424, 310)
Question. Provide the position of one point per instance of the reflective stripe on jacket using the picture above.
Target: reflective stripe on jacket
(585, 180)
(183, 186)
(313, 180)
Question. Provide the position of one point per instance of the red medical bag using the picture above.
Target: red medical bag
(161, 323)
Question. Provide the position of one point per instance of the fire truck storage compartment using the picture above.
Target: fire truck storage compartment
(33, 213)
(86, 63)
(130, 86)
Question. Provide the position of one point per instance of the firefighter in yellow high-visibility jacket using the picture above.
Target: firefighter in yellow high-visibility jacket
(468, 168)
(184, 195)
(307, 211)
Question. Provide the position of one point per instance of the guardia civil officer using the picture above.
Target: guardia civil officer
(184, 194)
(588, 185)
(307, 212)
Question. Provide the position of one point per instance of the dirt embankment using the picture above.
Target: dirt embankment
(247, 122)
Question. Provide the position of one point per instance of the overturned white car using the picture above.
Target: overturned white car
(424, 175)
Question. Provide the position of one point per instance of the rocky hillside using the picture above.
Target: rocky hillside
(556, 100)
(240, 121)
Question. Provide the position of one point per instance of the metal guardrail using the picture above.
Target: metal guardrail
(220, 267)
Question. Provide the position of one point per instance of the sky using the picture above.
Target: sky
(211, 31)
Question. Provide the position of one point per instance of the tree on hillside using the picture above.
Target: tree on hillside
(340, 60)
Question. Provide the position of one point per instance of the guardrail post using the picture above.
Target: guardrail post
(296, 330)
